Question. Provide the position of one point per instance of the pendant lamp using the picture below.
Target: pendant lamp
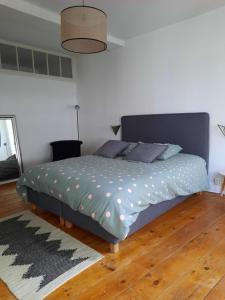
(84, 29)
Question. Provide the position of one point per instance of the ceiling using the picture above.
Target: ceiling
(25, 29)
(36, 22)
(129, 18)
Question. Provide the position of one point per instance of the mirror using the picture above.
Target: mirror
(10, 155)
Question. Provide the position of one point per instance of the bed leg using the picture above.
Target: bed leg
(68, 224)
(33, 207)
(114, 248)
(61, 221)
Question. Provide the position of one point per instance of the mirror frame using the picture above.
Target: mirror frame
(17, 144)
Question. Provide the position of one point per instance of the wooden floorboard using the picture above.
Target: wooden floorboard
(180, 255)
(218, 292)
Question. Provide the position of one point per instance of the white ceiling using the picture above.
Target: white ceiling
(22, 28)
(129, 18)
(36, 22)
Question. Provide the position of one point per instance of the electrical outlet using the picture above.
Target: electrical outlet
(218, 181)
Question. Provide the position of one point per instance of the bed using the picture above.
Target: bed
(190, 130)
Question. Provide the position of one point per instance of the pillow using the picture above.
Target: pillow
(170, 151)
(111, 148)
(146, 152)
(127, 150)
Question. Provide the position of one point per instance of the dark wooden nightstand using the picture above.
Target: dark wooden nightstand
(65, 149)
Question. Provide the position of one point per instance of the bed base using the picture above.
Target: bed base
(114, 246)
(68, 217)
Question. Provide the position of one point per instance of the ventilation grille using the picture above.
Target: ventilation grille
(34, 61)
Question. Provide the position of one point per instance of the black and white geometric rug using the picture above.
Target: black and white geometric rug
(36, 257)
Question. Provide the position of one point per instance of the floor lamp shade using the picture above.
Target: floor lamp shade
(84, 29)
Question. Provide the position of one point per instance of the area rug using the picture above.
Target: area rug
(36, 257)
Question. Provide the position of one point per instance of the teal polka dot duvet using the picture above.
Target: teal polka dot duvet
(114, 191)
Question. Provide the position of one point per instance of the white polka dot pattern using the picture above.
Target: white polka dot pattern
(108, 214)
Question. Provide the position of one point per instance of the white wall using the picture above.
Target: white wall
(43, 109)
(180, 68)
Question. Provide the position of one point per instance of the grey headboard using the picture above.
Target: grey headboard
(189, 130)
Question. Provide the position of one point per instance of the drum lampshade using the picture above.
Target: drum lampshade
(84, 29)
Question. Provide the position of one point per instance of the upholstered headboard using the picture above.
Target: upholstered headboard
(189, 130)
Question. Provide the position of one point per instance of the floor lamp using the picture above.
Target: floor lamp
(77, 107)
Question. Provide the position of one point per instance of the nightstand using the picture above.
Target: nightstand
(65, 149)
(223, 183)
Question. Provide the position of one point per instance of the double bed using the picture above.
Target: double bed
(113, 198)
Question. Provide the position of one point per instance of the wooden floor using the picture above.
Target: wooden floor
(181, 255)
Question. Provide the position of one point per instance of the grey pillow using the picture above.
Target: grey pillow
(170, 151)
(146, 152)
(130, 147)
(111, 148)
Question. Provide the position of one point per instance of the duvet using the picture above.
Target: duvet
(114, 191)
